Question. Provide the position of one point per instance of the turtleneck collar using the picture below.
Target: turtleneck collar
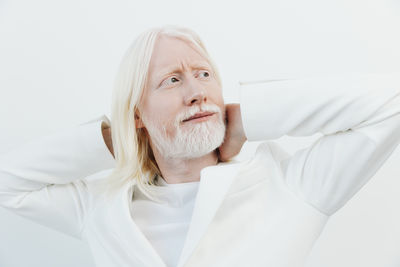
(176, 195)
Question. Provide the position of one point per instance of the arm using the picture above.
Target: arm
(44, 180)
(106, 132)
(359, 117)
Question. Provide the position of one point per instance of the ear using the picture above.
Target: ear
(138, 121)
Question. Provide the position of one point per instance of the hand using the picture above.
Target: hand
(106, 131)
(235, 135)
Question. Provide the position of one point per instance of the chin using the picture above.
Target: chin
(194, 142)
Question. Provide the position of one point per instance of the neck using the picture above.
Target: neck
(180, 170)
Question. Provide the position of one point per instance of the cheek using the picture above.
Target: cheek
(163, 108)
(217, 97)
(160, 104)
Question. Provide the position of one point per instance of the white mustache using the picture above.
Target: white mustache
(196, 109)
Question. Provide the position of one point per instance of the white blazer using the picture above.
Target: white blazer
(265, 211)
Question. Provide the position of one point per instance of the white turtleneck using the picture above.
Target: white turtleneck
(165, 224)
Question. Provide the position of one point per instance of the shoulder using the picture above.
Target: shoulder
(96, 183)
(254, 150)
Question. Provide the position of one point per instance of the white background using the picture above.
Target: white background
(58, 60)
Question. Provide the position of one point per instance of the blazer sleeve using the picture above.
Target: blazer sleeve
(43, 180)
(357, 115)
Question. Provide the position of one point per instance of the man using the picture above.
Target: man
(178, 197)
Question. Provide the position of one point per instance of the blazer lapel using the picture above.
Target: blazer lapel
(214, 184)
(138, 247)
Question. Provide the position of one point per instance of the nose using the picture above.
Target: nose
(195, 93)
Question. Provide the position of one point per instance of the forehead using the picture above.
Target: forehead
(173, 52)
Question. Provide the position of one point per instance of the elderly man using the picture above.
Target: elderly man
(172, 193)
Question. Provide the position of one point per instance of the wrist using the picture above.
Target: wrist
(241, 133)
(106, 132)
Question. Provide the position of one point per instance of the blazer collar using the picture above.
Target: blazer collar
(215, 182)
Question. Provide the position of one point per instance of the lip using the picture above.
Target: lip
(201, 116)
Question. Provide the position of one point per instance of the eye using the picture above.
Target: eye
(170, 80)
(204, 74)
(173, 79)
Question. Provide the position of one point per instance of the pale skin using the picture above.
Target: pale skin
(178, 79)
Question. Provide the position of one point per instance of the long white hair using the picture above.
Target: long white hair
(135, 162)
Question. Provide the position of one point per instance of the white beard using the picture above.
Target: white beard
(198, 139)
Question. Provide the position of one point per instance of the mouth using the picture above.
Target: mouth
(201, 116)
